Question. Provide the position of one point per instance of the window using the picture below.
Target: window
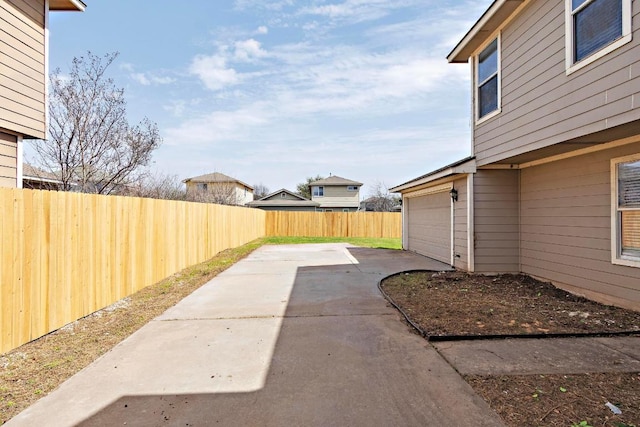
(318, 191)
(345, 209)
(625, 242)
(352, 188)
(488, 80)
(202, 187)
(595, 28)
(283, 195)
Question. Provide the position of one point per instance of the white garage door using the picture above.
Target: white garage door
(429, 225)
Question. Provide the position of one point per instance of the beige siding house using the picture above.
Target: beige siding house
(23, 78)
(284, 200)
(218, 188)
(336, 194)
(552, 188)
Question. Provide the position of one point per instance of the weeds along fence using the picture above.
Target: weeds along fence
(66, 255)
(334, 224)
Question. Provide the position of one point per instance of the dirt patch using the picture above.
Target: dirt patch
(462, 304)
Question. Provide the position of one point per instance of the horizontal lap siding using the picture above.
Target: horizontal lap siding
(461, 226)
(8, 159)
(566, 227)
(22, 67)
(541, 105)
(496, 230)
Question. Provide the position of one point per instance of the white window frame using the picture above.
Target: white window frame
(345, 209)
(476, 85)
(319, 188)
(572, 66)
(616, 229)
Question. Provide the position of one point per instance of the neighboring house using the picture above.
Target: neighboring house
(335, 194)
(284, 200)
(218, 188)
(552, 188)
(23, 77)
(37, 179)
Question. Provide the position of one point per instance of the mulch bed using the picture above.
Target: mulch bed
(445, 304)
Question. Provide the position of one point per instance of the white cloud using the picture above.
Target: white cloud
(213, 71)
(262, 30)
(141, 78)
(246, 50)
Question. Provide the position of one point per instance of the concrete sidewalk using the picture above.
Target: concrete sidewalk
(291, 335)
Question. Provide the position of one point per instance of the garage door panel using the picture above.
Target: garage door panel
(429, 226)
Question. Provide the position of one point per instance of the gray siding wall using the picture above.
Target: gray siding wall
(8, 159)
(22, 67)
(541, 105)
(461, 226)
(566, 227)
(496, 216)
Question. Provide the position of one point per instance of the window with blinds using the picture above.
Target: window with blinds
(629, 207)
(596, 24)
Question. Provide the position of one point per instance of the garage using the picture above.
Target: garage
(428, 222)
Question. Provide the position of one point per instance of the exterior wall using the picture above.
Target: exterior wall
(338, 197)
(566, 227)
(278, 196)
(8, 160)
(460, 226)
(243, 195)
(288, 208)
(22, 67)
(496, 221)
(541, 105)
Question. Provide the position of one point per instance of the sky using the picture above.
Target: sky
(272, 92)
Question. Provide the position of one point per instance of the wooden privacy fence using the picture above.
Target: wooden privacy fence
(66, 255)
(334, 224)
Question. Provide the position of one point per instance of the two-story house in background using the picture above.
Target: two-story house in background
(552, 186)
(217, 187)
(336, 194)
(24, 26)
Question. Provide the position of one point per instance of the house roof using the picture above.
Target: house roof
(335, 180)
(280, 191)
(489, 22)
(283, 203)
(216, 177)
(33, 173)
(68, 5)
(464, 166)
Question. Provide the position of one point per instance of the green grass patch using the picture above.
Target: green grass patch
(378, 243)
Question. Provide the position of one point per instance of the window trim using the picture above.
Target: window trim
(320, 190)
(616, 230)
(627, 36)
(476, 85)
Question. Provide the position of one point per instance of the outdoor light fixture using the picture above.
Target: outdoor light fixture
(454, 194)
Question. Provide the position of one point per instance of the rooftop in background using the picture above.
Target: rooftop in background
(335, 180)
(215, 177)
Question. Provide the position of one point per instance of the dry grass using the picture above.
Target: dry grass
(33, 370)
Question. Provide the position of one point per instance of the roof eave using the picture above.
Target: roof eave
(489, 22)
(67, 5)
(464, 166)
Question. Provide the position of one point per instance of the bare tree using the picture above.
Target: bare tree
(380, 200)
(91, 146)
(157, 186)
(220, 192)
(259, 191)
(303, 188)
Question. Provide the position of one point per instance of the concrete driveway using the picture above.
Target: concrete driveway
(290, 336)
